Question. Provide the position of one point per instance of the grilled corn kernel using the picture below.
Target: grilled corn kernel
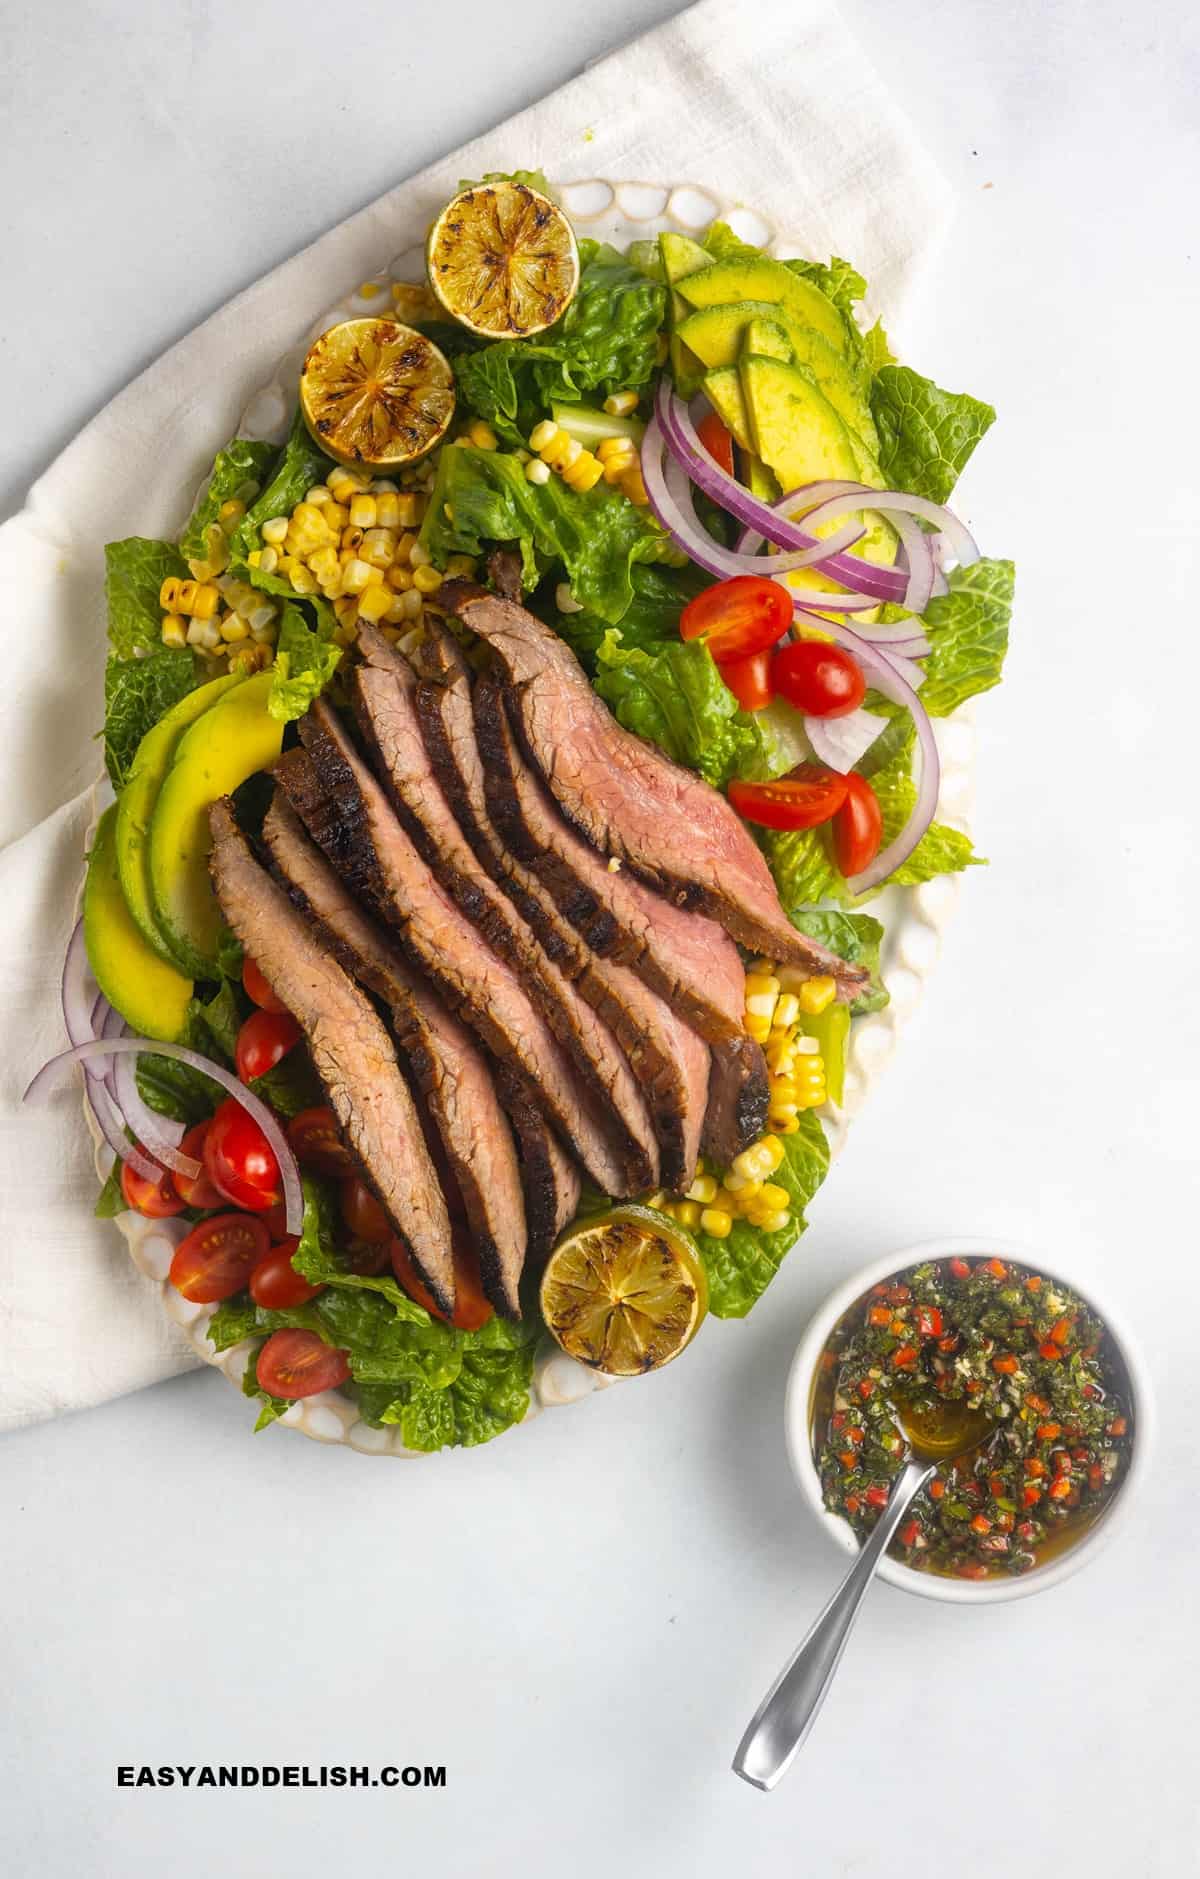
(233, 629)
(610, 449)
(462, 567)
(634, 487)
(584, 474)
(275, 530)
(781, 1054)
(174, 630)
(771, 1194)
(203, 635)
(398, 578)
(716, 1223)
(185, 596)
(412, 509)
(168, 593)
(320, 495)
(268, 560)
(383, 486)
(619, 404)
(395, 608)
(345, 607)
(743, 1185)
(536, 471)
(353, 538)
(542, 434)
(206, 602)
(387, 510)
(772, 1152)
(788, 1009)
(230, 513)
(379, 545)
(374, 602)
(703, 1189)
(412, 604)
(773, 1223)
(482, 435)
(346, 632)
(758, 1028)
(816, 994)
(426, 580)
(363, 511)
(565, 600)
(785, 1125)
(357, 575)
(344, 484)
(419, 557)
(304, 581)
(337, 516)
(325, 565)
(687, 1212)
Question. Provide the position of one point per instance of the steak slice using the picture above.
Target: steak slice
(385, 700)
(630, 800)
(364, 839)
(671, 1062)
(446, 1063)
(549, 1176)
(351, 1051)
(688, 960)
(738, 1099)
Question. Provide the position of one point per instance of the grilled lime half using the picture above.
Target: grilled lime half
(503, 260)
(624, 1291)
(376, 393)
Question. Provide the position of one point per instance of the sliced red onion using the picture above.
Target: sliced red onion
(898, 636)
(78, 1005)
(840, 742)
(159, 1135)
(108, 1121)
(959, 540)
(289, 1173)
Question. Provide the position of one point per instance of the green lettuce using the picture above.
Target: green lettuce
(290, 1087)
(650, 620)
(596, 536)
(532, 179)
(856, 938)
(673, 695)
(968, 635)
(318, 1260)
(136, 694)
(925, 434)
(240, 464)
(134, 571)
(300, 466)
(305, 661)
(741, 1267)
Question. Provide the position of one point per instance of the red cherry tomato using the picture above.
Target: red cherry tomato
(157, 1200)
(367, 1258)
(717, 441)
(263, 1041)
(257, 988)
(217, 1257)
(275, 1221)
(316, 1143)
(804, 798)
(198, 1190)
(471, 1309)
(292, 1364)
(362, 1212)
(819, 679)
(738, 617)
(857, 826)
(275, 1284)
(239, 1160)
(749, 679)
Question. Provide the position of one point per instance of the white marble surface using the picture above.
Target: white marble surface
(578, 1620)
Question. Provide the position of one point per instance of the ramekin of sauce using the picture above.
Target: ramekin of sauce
(981, 1325)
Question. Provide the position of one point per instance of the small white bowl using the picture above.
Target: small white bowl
(929, 1584)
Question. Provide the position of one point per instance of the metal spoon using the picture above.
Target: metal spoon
(788, 1710)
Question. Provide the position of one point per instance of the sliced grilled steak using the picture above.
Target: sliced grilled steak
(548, 1174)
(443, 1058)
(738, 1097)
(385, 701)
(670, 1060)
(630, 800)
(351, 1051)
(688, 960)
(366, 843)
(504, 572)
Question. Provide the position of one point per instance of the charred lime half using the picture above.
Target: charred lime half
(625, 1291)
(376, 393)
(503, 260)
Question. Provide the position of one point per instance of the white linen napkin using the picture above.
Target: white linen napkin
(779, 110)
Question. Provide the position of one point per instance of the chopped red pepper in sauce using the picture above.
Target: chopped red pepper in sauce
(1018, 1345)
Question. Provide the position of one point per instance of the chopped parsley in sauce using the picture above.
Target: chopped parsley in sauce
(1002, 1339)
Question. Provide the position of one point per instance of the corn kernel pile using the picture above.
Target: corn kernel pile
(615, 458)
(777, 1001)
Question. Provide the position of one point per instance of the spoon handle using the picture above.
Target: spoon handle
(789, 1709)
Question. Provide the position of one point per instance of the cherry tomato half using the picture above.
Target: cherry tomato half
(717, 441)
(857, 826)
(217, 1257)
(257, 988)
(198, 1191)
(275, 1284)
(316, 1143)
(749, 679)
(157, 1200)
(239, 1160)
(292, 1364)
(471, 1309)
(819, 679)
(263, 1041)
(362, 1212)
(804, 798)
(738, 617)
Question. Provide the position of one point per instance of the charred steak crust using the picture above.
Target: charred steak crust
(630, 800)
(384, 696)
(738, 1099)
(446, 1064)
(351, 1051)
(549, 1177)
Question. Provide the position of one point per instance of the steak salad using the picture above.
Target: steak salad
(515, 767)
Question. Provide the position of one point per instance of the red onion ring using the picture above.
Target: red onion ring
(958, 538)
(81, 1015)
(159, 1135)
(289, 1173)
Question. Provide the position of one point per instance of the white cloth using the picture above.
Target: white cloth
(797, 126)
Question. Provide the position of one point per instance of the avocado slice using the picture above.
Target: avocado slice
(760, 481)
(723, 389)
(765, 339)
(722, 335)
(149, 994)
(136, 805)
(761, 278)
(681, 256)
(221, 749)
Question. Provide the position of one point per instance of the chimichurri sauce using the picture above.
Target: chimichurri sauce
(1000, 1338)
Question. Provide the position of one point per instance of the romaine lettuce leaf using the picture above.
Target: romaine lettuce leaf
(838, 281)
(305, 661)
(532, 179)
(925, 434)
(318, 1259)
(241, 462)
(673, 694)
(134, 571)
(596, 536)
(857, 938)
(651, 618)
(968, 634)
(290, 1087)
(741, 1267)
(299, 467)
(136, 694)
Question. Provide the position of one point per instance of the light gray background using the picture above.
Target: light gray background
(578, 1620)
